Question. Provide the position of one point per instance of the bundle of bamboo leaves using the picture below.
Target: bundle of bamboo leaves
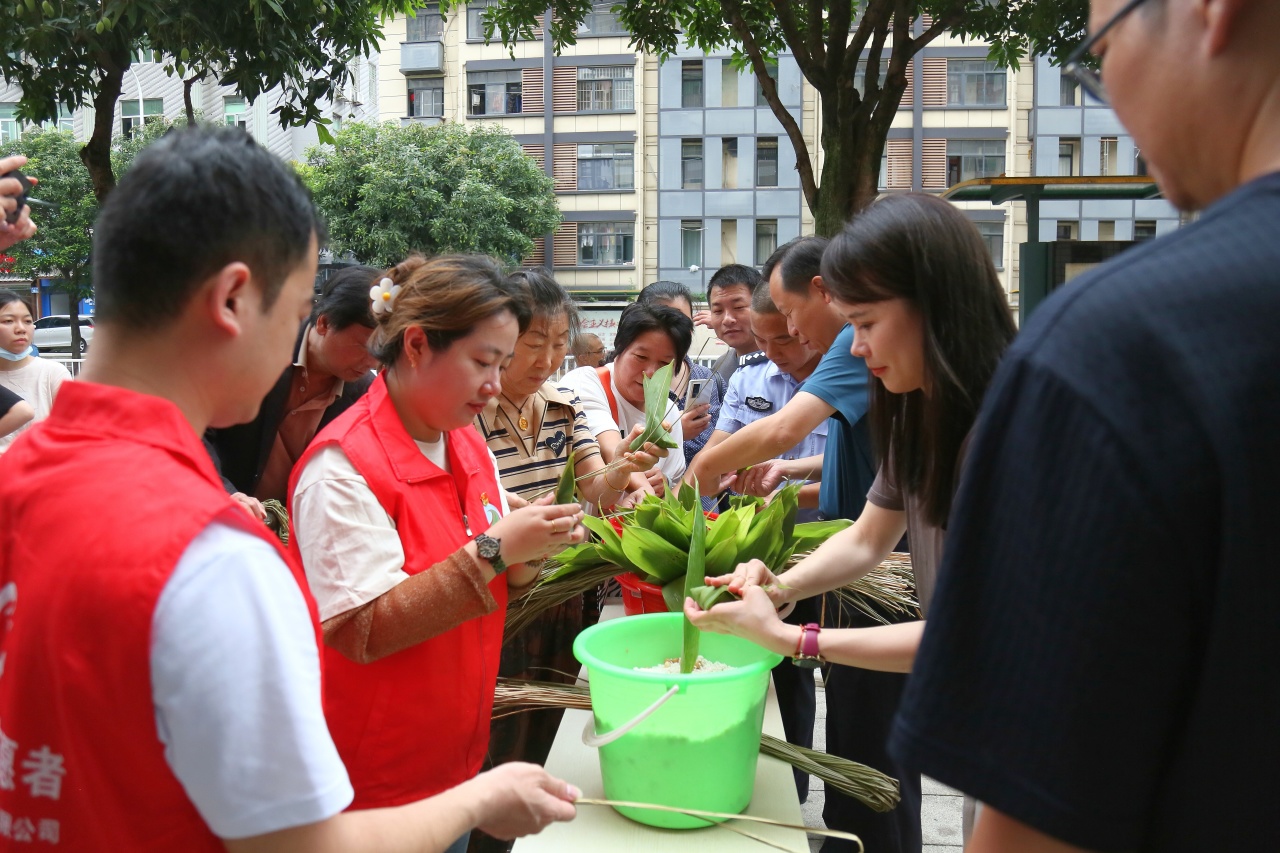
(655, 545)
(866, 784)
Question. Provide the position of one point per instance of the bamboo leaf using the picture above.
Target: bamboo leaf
(709, 596)
(564, 489)
(673, 594)
(654, 555)
(694, 577)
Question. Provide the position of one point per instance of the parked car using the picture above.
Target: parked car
(53, 333)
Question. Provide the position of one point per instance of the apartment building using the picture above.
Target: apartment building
(1072, 134)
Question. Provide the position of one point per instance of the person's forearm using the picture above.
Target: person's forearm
(767, 438)
(810, 494)
(884, 648)
(420, 607)
(808, 468)
(846, 556)
(18, 415)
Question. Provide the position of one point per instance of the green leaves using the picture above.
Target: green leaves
(565, 488)
(657, 390)
(387, 191)
(697, 571)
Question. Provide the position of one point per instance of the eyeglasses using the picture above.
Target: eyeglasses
(1089, 79)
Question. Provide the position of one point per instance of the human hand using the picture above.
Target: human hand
(537, 531)
(753, 618)
(514, 501)
(517, 799)
(703, 318)
(10, 189)
(656, 480)
(696, 419)
(251, 505)
(763, 479)
(641, 459)
(752, 573)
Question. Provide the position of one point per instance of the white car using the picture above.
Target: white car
(53, 333)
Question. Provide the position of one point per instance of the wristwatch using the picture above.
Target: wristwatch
(806, 656)
(490, 550)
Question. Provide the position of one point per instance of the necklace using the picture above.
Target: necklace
(521, 420)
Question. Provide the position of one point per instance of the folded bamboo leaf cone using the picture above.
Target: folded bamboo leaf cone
(699, 749)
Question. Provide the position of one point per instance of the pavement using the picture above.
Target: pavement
(940, 807)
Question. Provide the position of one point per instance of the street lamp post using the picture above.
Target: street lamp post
(137, 83)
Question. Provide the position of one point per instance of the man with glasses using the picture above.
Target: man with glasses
(1098, 664)
(588, 350)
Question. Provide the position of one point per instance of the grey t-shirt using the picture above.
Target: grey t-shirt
(926, 539)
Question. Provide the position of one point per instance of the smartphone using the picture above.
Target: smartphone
(22, 197)
(696, 387)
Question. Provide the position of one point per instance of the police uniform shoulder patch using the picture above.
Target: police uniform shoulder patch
(759, 404)
(757, 357)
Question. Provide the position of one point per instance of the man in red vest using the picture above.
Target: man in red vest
(159, 666)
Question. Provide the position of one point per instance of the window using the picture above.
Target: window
(1139, 164)
(1068, 157)
(772, 68)
(144, 54)
(609, 88)
(425, 24)
(494, 92)
(10, 128)
(606, 167)
(728, 242)
(1068, 92)
(728, 84)
(1106, 229)
(475, 18)
(602, 21)
(729, 162)
(1144, 229)
(691, 164)
(974, 158)
(691, 83)
(235, 112)
(152, 109)
(1107, 155)
(766, 239)
(975, 83)
(602, 244)
(993, 235)
(767, 161)
(1068, 230)
(66, 120)
(691, 242)
(426, 96)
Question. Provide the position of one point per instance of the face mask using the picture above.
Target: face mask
(8, 356)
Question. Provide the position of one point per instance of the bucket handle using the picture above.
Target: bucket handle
(593, 740)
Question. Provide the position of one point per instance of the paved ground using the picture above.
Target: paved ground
(940, 817)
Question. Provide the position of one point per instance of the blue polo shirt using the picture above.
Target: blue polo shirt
(759, 389)
(848, 468)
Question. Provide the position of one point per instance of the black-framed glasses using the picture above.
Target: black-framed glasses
(1090, 80)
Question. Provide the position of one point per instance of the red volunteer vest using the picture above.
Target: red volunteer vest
(99, 502)
(417, 722)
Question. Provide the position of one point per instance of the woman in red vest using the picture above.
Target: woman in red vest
(402, 528)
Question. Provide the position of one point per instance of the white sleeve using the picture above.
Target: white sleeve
(235, 678)
(350, 548)
(497, 478)
(586, 382)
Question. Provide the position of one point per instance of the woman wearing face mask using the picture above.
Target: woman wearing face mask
(913, 276)
(400, 524)
(35, 380)
(649, 338)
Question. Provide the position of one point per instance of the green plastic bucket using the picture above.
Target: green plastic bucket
(699, 749)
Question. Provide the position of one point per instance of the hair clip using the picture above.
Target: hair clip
(384, 295)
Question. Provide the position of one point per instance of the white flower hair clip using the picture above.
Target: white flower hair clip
(384, 295)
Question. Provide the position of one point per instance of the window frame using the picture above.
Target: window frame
(128, 121)
(772, 69)
(996, 248)
(595, 154)
(981, 74)
(762, 256)
(692, 161)
(432, 27)
(621, 233)
(692, 242)
(485, 83)
(766, 143)
(476, 20)
(692, 85)
(241, 117)
(605, 87)
(426, 84)
(966, 170)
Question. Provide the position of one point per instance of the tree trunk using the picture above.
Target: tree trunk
(186, 97)
(96, 153)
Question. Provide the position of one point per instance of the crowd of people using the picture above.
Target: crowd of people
(1086, 503)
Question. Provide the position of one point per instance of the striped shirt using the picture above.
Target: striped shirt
(527, 464)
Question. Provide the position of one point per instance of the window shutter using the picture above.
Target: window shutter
(933, 164)
(564, 88)
(531, 90)
(908, 96)
(538, 257)
(538, 153)
(564, 251)
(897, 164)
(935, 82)
(539, 24)
(926, 21)
(565, 166)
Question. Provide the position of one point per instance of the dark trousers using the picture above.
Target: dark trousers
(861, 705)
(797, 698)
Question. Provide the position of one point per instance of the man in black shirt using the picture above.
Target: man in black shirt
(1099, 664)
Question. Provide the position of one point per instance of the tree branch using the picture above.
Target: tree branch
(791, 32)
(750, 47)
